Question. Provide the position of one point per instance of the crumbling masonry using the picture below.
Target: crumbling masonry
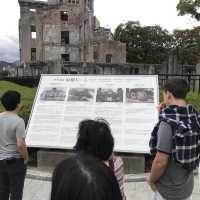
(57, 34)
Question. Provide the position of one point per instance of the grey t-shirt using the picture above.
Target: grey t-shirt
(11, 128)
(176, 183)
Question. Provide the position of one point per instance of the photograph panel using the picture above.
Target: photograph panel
(139, 95)
(109, 95)
(53, 94)
(81, 94)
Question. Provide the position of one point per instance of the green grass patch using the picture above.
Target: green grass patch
(27, 96)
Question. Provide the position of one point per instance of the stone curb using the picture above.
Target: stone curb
(136, 177)
(37, 174)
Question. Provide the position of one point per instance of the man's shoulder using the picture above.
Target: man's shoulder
(14, 118)
(164, 126)
(165, 130)
(164, 143)
(19, 119)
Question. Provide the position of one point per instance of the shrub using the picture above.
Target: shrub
(192, 98)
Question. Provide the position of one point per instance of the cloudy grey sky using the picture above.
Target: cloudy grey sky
(110, 13)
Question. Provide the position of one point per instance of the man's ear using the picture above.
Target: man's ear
(169, 95)
(19, 107)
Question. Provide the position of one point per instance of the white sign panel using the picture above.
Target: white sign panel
(128, 103)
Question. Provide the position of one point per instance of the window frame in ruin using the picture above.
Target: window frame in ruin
(33, 54)
(64, 16)
(64, 56)
(109, 58)
(33, 31)
(96, 56)
(65, 38)
(32, 10)
(136, 70)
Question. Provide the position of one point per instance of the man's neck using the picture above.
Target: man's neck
(178, 102)
(12, 111)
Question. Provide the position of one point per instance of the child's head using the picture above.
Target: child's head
(11, 100)
(95, 138)
(175, 89)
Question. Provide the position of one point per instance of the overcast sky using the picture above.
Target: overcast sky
(110, 13)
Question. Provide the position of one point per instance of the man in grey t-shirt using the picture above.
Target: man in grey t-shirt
(176, 182)
(168, 179)
(13, 150)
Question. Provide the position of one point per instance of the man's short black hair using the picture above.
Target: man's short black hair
(178, 87)
(10, 100)
(95, 138)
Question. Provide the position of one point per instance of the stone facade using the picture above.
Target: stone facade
(67, 31)
(56, 67)
(64, 36)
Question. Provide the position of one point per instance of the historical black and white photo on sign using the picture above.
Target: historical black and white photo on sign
(53, 94)
(109, 95)
(81, 94)
(139, 95)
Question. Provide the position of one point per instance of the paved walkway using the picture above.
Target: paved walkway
(37, 187)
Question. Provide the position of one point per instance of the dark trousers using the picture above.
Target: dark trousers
(12, 175)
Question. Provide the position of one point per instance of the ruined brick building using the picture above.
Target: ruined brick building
(66, 32)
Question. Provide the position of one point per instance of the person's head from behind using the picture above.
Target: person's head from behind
(95, 138)
(84, 178)
(175, 89)
(11, 100)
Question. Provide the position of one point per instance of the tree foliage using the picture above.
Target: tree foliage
(187, 43)
(145, 44)
(191, 7)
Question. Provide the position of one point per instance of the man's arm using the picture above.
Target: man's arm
(21, 146)
(20, 139)
(158, 167)
(164, 146)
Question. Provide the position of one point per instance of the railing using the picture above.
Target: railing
(28, 81)
(193, 80)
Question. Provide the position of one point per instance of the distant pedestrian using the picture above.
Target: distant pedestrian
(13, 150)
(175, 143)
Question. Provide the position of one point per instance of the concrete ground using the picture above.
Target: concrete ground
(38, 186)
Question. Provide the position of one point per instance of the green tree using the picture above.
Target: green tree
(145, 44)
(190, 7)
(187, 43)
